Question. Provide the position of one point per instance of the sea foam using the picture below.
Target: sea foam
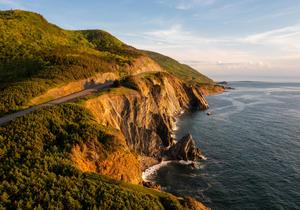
(153, 169)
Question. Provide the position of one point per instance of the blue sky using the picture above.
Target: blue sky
(225, 39)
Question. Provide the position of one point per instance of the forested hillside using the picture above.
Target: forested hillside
(36, 170)
(36, 55)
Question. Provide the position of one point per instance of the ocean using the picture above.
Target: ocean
(252, 145)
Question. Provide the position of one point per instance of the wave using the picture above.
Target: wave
(153, 169)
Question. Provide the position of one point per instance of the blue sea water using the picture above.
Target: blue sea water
(252, 145)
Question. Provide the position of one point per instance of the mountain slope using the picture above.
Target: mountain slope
(36, 56)
(60, 156)
(182, 71)
(37, 171)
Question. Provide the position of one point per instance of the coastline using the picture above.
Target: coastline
(153, 169)
(150, 165)
(227, 177)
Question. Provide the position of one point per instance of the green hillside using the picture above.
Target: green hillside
(182, 71)
(36, 55)
(104, 41)
(36, 170)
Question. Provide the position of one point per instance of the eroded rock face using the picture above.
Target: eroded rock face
(185, 149)
(146, 116)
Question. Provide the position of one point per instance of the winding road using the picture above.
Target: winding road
(85, 92)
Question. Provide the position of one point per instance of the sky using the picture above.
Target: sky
(224, 39)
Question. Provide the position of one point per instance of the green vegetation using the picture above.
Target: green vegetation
(129, 82)
(182, 71)
(36, 55)
(104, 41)
(36, 170)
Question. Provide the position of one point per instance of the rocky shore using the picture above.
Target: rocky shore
(183, 150)
(143, 118)
(88, 113)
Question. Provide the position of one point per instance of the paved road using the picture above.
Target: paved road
(67, 98)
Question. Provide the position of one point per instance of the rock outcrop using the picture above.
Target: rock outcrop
(211, 89)
(141, 111)
(185, 149)
(145, 116)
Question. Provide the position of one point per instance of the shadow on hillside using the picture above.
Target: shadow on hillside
(90, 84)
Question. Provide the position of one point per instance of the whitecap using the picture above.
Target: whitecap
(184, 162)
(153, 170)
(203, 157)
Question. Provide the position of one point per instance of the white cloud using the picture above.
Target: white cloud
(177, 36)
(271, 51)
(191, 49)
(189, 4)
(174, 30)
(283, 41)
(282, 13)
(281, 35)
(186, 4)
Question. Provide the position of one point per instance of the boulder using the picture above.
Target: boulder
(185, 149)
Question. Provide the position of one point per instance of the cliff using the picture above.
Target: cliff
(141, 112)
(145, 116)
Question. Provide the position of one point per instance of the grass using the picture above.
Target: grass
(181, 71)
(36, 55)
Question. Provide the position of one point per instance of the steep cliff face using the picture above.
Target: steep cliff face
(145, 116)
